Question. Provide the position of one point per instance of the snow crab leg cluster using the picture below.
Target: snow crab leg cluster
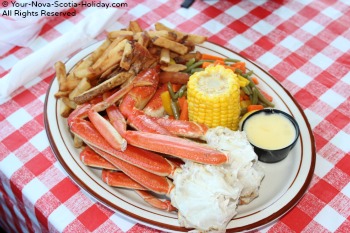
(140, 148)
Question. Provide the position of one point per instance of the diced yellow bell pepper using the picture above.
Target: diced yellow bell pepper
(245, 103)
(166, 101)
(242, 81)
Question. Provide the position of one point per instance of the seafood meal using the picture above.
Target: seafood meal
(162, 119)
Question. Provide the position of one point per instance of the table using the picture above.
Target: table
(304, 44)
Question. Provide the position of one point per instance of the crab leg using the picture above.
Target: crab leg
(188, 129)
(178, 147)
(116, 119)
(91, 159)
(79, 113)
(105, 128)
(139, 96)
(146, 160)
(136, 100)
(152, 200)
(155, 107)
(146, 123)
(145, 81)
(82, 110)
(155, 183)
(119, 179)
(112, 99)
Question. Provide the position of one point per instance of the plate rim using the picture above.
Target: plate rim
(155, 224)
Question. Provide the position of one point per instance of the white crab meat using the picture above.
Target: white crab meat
(207, 196)
(243, 160)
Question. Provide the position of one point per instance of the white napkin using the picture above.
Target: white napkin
(78, 37)
(20, 32)
(22, 29)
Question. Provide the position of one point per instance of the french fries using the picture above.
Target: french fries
(171, 45)
(113, 57)
(77, 141)
(61, 74)
(100, 50)
(125, 62)
(84, 69)
(106, 53)
(144, 39)
(173, 68)
(83, 86)
(134, 26)
(115, 34)
(121, 56)
(65, 110)
(153, 34)
(69, 103)
(196, 39)
(164, 56)
(101, 88)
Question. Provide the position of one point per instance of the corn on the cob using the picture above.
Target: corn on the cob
(213, 97)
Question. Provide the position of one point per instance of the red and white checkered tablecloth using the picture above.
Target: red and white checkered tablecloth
(305, 44)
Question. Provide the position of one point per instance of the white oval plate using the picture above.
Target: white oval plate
(284, 184)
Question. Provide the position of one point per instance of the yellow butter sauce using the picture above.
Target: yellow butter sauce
(270, 131)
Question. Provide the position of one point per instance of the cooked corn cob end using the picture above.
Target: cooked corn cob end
(213, 97)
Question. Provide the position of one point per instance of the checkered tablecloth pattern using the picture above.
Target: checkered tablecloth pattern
(305, 44)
